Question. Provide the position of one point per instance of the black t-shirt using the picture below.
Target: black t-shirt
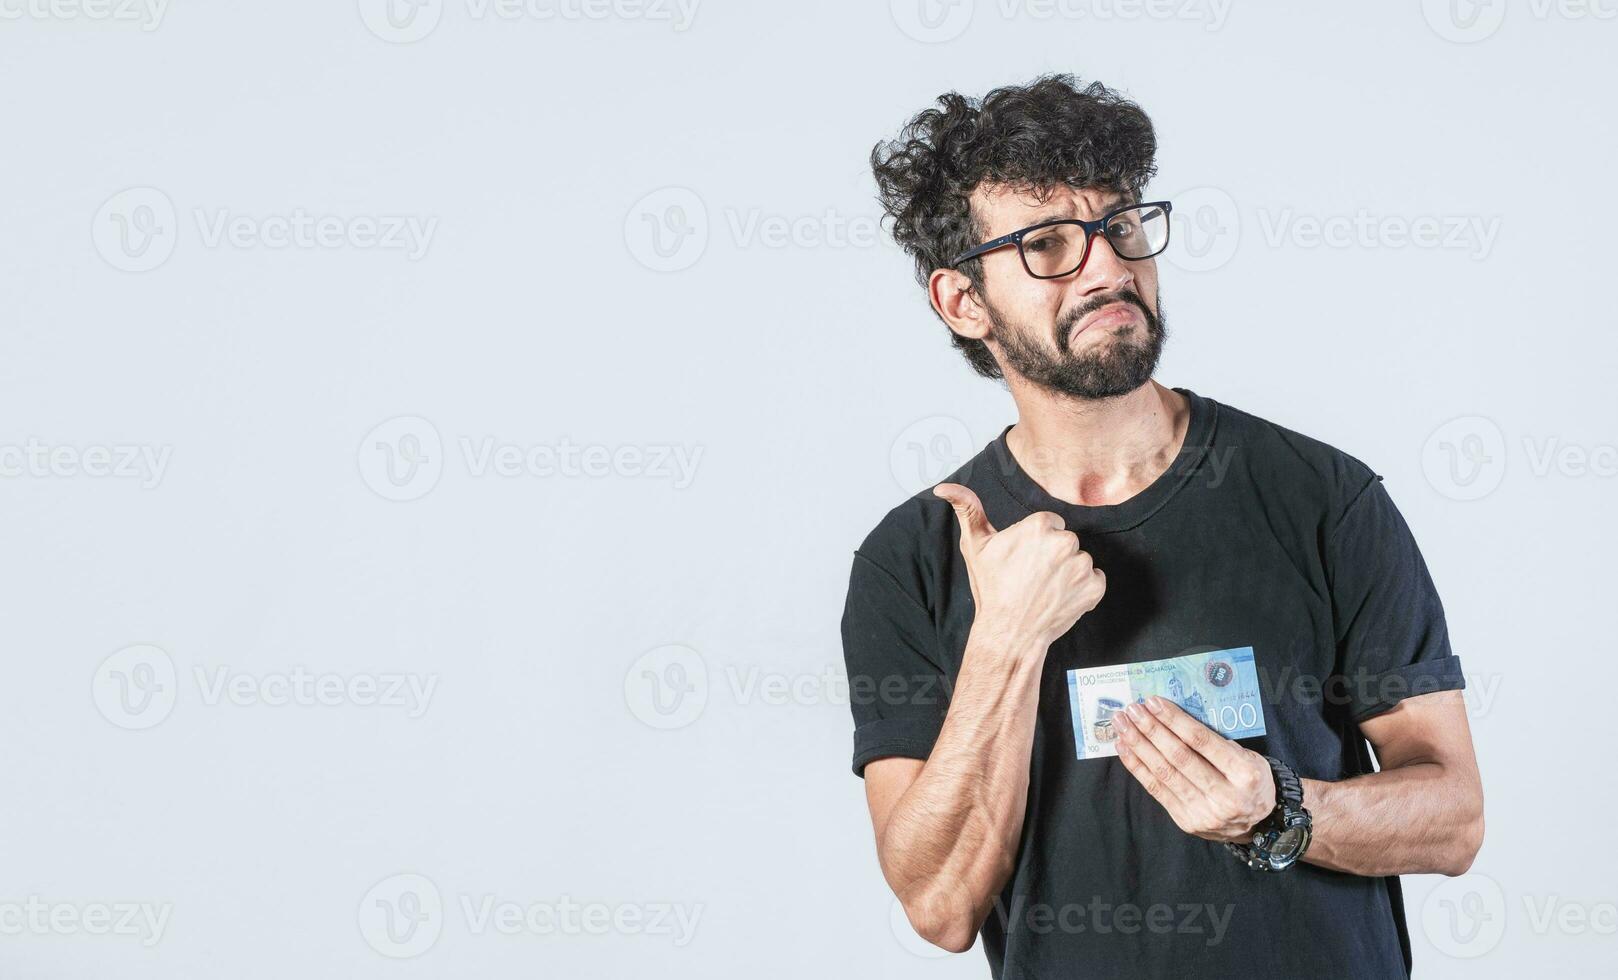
(1255, 537)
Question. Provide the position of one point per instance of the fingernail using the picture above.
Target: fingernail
(1155, 703)
(1135, 712)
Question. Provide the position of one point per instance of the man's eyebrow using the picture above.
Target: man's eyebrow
(1066, 212)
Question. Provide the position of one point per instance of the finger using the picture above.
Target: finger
(1224, 754)
(975, 526)
(1174, 750)
(1046, 519)
(1166, 784)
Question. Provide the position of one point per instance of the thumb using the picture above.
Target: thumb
(975, 527)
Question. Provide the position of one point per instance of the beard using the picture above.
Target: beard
(1113, 367)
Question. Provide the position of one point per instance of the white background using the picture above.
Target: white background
(655, 230)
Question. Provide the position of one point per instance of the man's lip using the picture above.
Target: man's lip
(1110, 315)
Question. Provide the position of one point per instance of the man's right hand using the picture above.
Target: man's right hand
(1030, 581)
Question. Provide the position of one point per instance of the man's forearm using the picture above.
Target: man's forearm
(1420, 818)
(949, 845)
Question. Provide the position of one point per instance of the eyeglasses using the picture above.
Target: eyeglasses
(1053, 249)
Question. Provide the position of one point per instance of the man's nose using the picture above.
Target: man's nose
(1103, 269)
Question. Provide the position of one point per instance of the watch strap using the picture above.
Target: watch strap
(1288, 810)
(1288, 787)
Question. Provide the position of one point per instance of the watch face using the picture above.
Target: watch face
(1288, 843)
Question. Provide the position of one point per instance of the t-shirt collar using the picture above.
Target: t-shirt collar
(1199, 437)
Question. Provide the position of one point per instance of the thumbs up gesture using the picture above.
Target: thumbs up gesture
(1029, 582)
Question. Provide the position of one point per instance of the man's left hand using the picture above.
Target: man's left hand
(1212, 787)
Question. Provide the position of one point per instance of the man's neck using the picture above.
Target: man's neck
(1098, 452)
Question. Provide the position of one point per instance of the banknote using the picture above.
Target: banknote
(1219, 689)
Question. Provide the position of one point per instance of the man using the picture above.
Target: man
(1265, 578)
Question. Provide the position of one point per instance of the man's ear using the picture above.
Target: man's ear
(958, 302)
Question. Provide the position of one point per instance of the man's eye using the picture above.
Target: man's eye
(1122, 229)
(1039, 245)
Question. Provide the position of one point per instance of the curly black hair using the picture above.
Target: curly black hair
(1031, 137)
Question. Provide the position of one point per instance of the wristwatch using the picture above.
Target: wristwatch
(1284, 835)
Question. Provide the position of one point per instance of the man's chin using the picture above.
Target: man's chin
(1098, 362)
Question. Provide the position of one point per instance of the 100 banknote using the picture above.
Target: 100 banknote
(1219, 689)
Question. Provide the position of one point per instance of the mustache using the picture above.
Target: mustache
(1064, 330)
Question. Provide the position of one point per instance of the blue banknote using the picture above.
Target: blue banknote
(1219, 689)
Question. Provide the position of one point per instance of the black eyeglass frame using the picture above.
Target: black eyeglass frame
(1091, 229)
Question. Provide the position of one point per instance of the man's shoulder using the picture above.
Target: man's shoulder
(922, 528)
(919, 524)
(1276, 455)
